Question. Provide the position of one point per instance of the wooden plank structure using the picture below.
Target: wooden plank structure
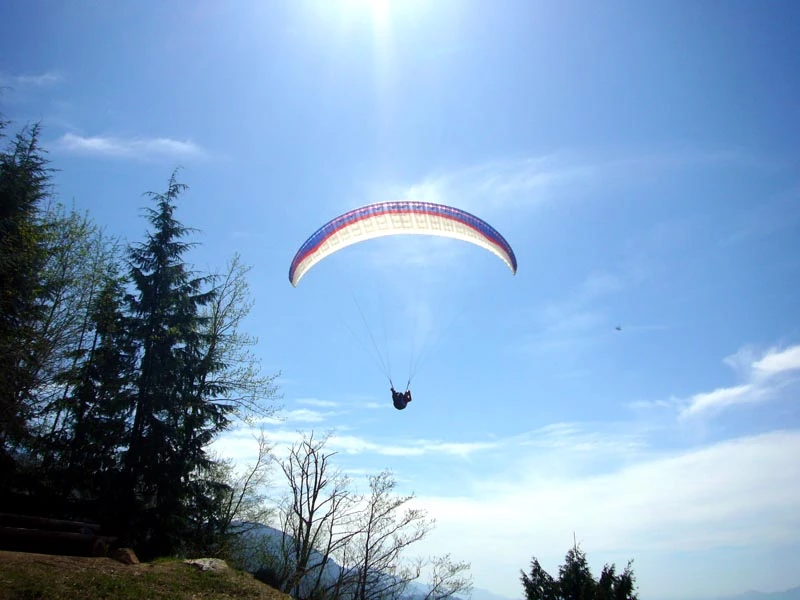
(25, 533)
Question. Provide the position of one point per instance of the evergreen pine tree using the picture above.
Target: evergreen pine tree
(575, 581)
(24, 179)
(165, 447)
(100, 405)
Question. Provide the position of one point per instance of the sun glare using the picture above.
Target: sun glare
(379, 15)
(378, 10)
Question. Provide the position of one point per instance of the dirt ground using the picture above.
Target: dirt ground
(31, 576)
(75, 564)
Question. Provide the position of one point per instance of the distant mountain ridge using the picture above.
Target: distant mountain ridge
(790, 594)
(267, 536)
(416, 591)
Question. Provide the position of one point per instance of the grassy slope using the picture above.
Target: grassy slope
(26, 576)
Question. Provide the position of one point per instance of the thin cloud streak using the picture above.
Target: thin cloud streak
(494, 185)
(45, 79)
(764, 377)
(722, 398)
(570, 438)
(135, 148)
(529, 181)
(318, 403)
(767, 376)
(497, 189)
(779, 361)
(299, 415)
(476, 189)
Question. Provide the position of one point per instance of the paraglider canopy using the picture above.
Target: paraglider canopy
(398, 218)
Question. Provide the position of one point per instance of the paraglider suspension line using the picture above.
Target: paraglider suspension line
(384, 364)
(428, 340)
(378, 363)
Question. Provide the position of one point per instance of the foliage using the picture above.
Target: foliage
(121, 366)
(448, 578)
(24, 180)
(384, 532)
(193, 379)
(242, 502)
(575, 581)
(337, 544)
(172, 418)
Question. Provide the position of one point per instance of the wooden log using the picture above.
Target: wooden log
(54, 542)
(46, 523)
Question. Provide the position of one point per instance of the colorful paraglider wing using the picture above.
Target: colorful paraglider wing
(398, 218)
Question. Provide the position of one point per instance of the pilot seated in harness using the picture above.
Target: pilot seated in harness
(400, 399)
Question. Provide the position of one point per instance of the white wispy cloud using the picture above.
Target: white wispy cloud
(740, 493)
(43, 79)
(577, 437)
(477, 188)
(713, 484)
(776, 362)
(761, 379)
(532, 180)
(496, 183)
(300, 415)
(351, 444)
(505, 191)
(623, 494)
(47, 78)
(764, 377)
(533, 490)
(136, 148)
(573, 439)
(544, 484)
(722, 398)
(239, 445)
(317, 402)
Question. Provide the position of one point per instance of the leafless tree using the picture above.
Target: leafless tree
(384, 533)
(323, 521)
(316, 519)
(244, 502)
(448, 578)
(247, 499)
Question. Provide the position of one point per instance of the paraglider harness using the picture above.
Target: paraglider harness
(400, 399)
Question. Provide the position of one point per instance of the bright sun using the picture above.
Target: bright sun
(378, 9)
(379, 13)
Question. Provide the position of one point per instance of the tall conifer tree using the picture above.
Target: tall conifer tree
(163, 450)
(24, 183)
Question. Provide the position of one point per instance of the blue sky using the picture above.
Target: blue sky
(642, 160)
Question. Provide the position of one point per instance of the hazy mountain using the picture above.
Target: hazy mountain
(482, 594)
(270, 537)
(790, 594)
(263, 536)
